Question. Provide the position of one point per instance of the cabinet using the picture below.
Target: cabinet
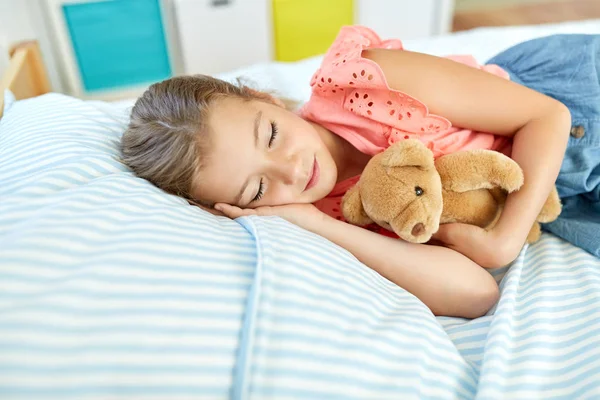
(305, 28)
(114, 48)
(221, 35)
(406, 19)
(244, 32)
(110, 46)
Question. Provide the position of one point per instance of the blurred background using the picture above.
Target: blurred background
(470, 14)
(108, 49)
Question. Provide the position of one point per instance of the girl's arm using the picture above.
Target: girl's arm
(477, 100)
(446, 281)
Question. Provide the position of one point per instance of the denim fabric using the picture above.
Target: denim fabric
(567, 68)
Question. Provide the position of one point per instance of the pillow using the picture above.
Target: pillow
(105, 281)
(111, 288)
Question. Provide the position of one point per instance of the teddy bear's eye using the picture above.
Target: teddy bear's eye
(418, 190)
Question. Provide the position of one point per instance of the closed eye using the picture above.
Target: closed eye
(260, 193)
(274, 131)
(261, 186)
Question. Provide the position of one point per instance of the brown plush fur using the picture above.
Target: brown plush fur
(405, 190)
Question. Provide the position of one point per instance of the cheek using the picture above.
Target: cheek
(303, 130)
(328, 168)
(280, 194)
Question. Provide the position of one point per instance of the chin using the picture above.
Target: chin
(325, 186)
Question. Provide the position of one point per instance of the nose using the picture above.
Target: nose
(288, 169)
(418, 229)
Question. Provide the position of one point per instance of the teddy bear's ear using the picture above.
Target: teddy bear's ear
(407, 153)
(352, 208)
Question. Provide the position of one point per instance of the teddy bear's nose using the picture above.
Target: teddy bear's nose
(418, 229)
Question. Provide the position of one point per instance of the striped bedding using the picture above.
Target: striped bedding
(111, 289)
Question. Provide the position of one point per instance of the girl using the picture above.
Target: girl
(240, 152)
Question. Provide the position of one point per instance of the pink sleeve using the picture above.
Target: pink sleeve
(350, 95)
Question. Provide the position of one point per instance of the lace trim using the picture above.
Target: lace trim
(366, 90)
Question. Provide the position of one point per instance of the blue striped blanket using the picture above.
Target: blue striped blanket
(111, 289)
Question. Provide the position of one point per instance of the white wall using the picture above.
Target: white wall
(25, 20)
(15, 23)
(405, 19)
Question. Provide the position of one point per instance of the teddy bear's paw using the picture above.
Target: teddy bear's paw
(534, 233)
(479, 169)
(551, 209)
(352, 208)
(507, 174)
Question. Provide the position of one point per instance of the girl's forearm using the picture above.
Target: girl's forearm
(445, 280)
(538, 148)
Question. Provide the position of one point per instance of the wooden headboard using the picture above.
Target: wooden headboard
(26, 75)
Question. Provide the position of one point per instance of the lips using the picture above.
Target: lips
(314, 175)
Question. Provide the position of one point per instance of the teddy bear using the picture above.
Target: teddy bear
(405, 190)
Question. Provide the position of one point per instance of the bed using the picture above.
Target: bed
(112, 289)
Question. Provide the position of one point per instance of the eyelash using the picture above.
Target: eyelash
(274, 132)
(261, 192)
(261, 186)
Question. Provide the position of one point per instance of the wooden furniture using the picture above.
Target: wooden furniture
(26, 75)
(529, 13)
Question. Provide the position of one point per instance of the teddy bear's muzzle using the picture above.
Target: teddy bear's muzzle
(418, 229)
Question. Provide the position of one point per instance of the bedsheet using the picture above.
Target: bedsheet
(541, 341)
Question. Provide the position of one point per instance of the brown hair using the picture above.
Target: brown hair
(166, 137)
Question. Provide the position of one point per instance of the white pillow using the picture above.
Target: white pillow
(106, 282)
(110, 288)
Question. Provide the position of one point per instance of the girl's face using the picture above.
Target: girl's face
(261, 154)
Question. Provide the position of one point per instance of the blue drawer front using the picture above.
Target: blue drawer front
(118, 43)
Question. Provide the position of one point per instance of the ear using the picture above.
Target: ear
(407, 153)
(264, 96)
(352, 208)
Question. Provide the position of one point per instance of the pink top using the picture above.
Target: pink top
(351, 97)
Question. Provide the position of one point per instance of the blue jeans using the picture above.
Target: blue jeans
(567, 68)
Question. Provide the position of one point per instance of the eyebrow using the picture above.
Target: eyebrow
(256, 126)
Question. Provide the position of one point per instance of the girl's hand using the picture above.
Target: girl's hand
(490, 249)
(306, 216)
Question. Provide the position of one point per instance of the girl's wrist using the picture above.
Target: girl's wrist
(322, 222)
(326, 226)
(507, 242)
